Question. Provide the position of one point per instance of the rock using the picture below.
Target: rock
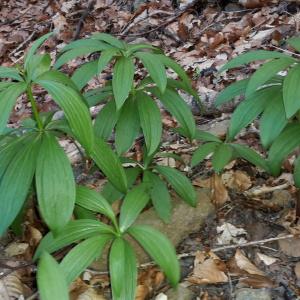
(290, 247)
(217, 128)
(181, 293)
(253, 294)
(185, 220)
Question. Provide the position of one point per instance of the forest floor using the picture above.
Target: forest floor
(250, 206)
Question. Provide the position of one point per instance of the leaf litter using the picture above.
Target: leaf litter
(248, 208)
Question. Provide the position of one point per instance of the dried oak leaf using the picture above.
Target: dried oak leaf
(218, 191)
(208, 268)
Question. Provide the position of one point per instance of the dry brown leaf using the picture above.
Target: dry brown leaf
(267, 260)
(228, 233)
(90, 294)
(208, 268)
(237, 180)
(256, 281)
(218, 190)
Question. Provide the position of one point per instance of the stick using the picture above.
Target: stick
(80, 24)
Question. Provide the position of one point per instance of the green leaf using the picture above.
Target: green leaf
(109, 39)
(16, 182)
(266, 72)
(110, 165)
(128, 126)
(84, 43)
(180, 183)
(123, 270)
(250, 56)
(250, 155)
(8, 72)
(50, 279)
(82, 255)
(222, 156)
(170, 63)
(173, 102)
(80, 51)
(96, 96)
(250, 108)
(94, 201)
(34, 47)
(159, 248)
(8, 98)
(122, 81)
(291, 90)
(284, 144)
(105, 57)
(159, 195)
(202, 152)
(273, 121)
(40, 64)
(84, 74)
(106, 120)
(150, 120)
(74, 231)
(178, 84)
(235, 89)
(294, 42)
(75, 111)
(136, 47)
(297, 172)
(110, 193)
(155, 67)
(206, 136)
(132, 205)
(55, 183)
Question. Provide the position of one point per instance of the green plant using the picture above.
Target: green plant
(32, 160)
(130, 100)
(96, 236)
(272, 97)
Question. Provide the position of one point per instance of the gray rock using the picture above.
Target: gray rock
(218, 128)
(253, 294)
(180, 293)
(185, 220)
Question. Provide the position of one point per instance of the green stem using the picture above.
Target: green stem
(34, 108)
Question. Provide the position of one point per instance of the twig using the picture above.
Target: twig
(285, 50)
(265, 189)
(80, 24)
(23, 43)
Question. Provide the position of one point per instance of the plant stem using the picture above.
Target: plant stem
(34, 108)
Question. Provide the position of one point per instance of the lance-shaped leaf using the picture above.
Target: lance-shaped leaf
(250, 56)
(84, 74)
(284, 144)
(40, 64)
(98, 95)
(94, 201)
(74, 231)
(202, 152)
(122, 79)
(235, 89)
(136, 47)
(273, 121)
(205, 136)
(16, 182)
(291, 89)
(222, 156)
(172, 101)
(105, 57)
(266, 72)
(150, 120)
(13, 73)
(180, 183)
(34, 47)
(106, 120)
(75, 111)
(123, 270)
(55, 183)
(159, 195)
(8, 98)
(294, 42)
(128, 126)
(110, 165)
(159, 248)
(82, 255)
(109, 39)
(297, 172)
(250, 108)
(51, 281)
(132, 205)
(155, 67)
(250, 155)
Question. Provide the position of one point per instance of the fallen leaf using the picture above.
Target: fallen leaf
(218, 190)
(228, 234)
(267, 260)
(161, 296)
(236, 180)
(15, 249)
(208, 268)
